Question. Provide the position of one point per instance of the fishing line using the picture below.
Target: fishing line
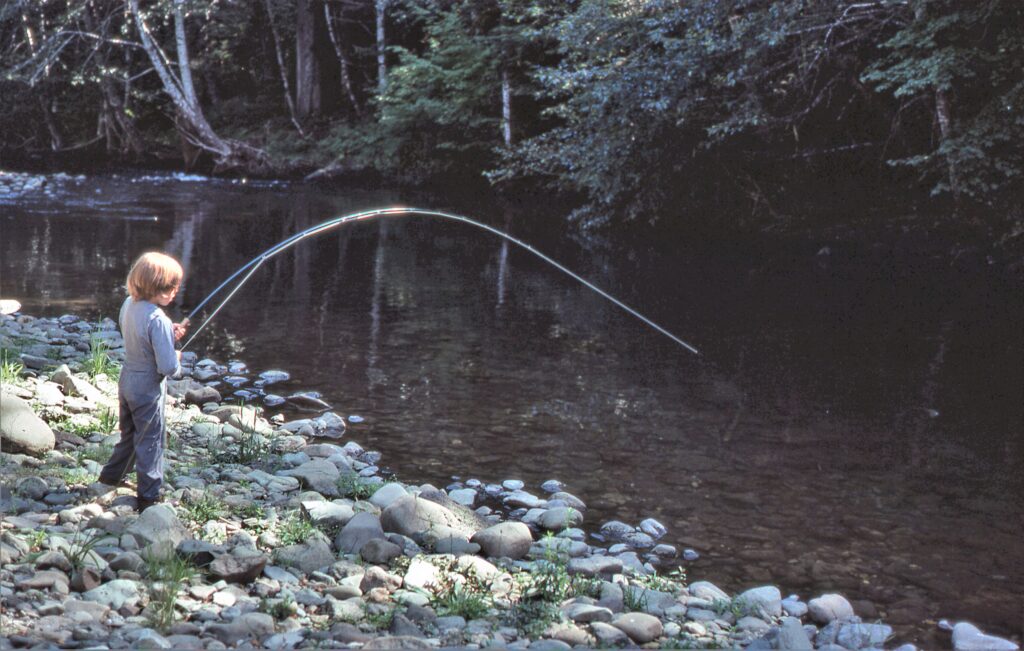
(287, 243)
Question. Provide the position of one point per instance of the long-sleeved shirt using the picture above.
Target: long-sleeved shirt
(148, 340)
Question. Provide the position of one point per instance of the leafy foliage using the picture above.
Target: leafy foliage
(638, 110)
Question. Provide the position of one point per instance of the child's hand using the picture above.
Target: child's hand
(180, 329)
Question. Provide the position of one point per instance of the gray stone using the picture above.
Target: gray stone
(32, 488)
(362, 528)
(115, 594)
(307, 556)
(238, 569)
(549, 645)
(560, 518)
(708, 591)
(158, 524)
(608, 635)
(249, 625)
(858, 636)
(319, 475)
(202, 396)
(653, 528)
(829, 608)
(328, 513)
(20, 429)
(507, 539)
(397, 642)
(764, 602)
(379, 551)
(793, 636)
(411, 515)
(615, 530)
(640, 627)
(200, 552)
(464, 496)
(523, 499)
(794, 607)
(583, 613)
(593, 566)
(968, 637)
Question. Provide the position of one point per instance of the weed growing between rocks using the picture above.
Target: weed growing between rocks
(198, 511)
(99, 362)
(354, 486)
(294, 529)
(10, 368)
(81, 548)
(380, 620)
(280, 609)
(98, 453)
(168, 574)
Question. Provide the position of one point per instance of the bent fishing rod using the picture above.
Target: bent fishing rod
(253, 265)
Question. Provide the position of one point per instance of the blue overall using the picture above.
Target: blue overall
(149, 358)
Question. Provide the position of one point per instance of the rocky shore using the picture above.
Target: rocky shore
(282, 533)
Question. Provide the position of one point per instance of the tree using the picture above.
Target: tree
(192, 124)
(960, 67)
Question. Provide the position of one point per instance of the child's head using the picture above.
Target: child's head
(153, 275)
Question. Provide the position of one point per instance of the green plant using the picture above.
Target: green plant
(634, 598)
(98, 453)
(81, 546)
(354, 486)
(10, 367)
(76, 476)
(533, 616)
(35, 539)
(279, 609)
(462, 599)
(167, 573)
(380, 620)
(671, 582)
(78, 427)
(294, 529)
(198, 512)
(99, 362)
(250, 510)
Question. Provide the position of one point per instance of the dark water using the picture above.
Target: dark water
(854, 423)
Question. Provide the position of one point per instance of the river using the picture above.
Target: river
(853, 424)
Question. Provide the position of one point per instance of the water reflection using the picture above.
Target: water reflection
(801, 449)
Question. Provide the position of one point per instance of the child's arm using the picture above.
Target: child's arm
(161, 334)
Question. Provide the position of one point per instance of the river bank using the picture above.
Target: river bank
(286, 532)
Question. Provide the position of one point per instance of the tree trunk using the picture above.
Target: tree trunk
(307, 88)
(382, 66)
(114, 125)
(346, 80)
(191, 121)
(56, 140)
(506, 108)
(281, 69)
(942, 115)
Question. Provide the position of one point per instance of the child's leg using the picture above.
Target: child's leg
(148, 413)
(124, 452)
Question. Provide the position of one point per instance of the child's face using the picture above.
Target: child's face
(164, 298)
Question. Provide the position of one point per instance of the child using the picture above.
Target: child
(149, 359)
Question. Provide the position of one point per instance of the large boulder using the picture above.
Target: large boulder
(21, 430)
(361, 529)
(158, 524)
(307, 556)
(415, 514)
(319, 475)
(506, 539)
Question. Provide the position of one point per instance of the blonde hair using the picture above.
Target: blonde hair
(152, 274)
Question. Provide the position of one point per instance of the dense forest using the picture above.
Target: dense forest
(626, 109)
